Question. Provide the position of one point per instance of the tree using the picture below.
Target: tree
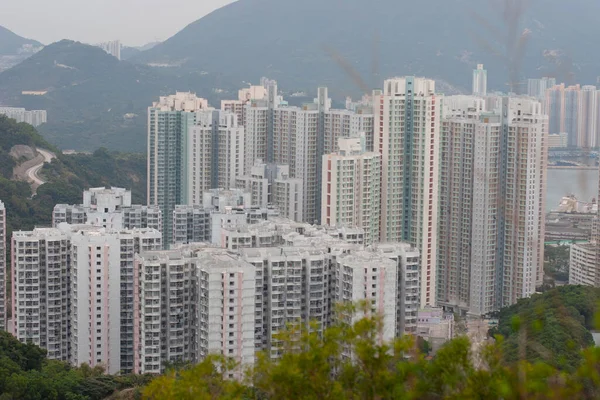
(205, 381)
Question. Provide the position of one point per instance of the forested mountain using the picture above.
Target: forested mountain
(297, 42)
(12, 44)
(93, 100)
(14, 48)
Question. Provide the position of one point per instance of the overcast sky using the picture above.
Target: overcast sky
(134, 22)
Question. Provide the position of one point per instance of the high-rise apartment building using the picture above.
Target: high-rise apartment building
(299, 136)
(480, 81)
(3, 271)
(537, 87)
(166, 285)
(562, 105)
(202, 223)
(245, 96)
(286, 296)
(407, 259)
(295, 144)
(574, 110)
(491, 227)
(109, 208)
(73, 292)
(40, 290)
(103, 315)
(199, 299)
(351, 187)
(407, 135)
(258, 122)
(587, 117)
(371, 277)
(209, 298)
(347, 123)
(113, 48)
(215, 154)
(271, 185)
(168, 122)
(570, 116)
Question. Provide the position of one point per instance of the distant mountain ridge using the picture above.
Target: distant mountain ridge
(285, 40)
(128, 52)
(93, 100)
(14, 48)
(11, 43)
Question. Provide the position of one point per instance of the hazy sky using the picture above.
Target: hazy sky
(134, 22)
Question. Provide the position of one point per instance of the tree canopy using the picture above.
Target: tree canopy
(26, 374)
(350, 361)
(552, 327)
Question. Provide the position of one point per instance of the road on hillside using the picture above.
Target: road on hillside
(32, 173)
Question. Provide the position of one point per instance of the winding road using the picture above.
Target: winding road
(32, 172)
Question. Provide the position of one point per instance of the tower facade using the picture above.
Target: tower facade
(407, 128)
(2, 267)
(168, 123)
(480, 81)
(351, 187)
(493, 183)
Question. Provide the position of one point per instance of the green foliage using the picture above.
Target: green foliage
(67, 176)
(350, 361)
(556, 265)
(102, 168)
(13, 133)
(204, 381)
(25, 373)
(552, 327)
(93, 99)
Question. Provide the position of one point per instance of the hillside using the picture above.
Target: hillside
(556, 326)
(26, 373)
(285, 40)
(93, 100)
(67, 177)
(128, 52)
(14, 48)
(11, 43)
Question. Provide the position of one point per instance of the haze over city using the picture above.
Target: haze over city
(299, 199)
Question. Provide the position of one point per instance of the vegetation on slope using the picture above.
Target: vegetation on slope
(12, 133)
(552, 327)
(67, 176)
(465, 32)
(93, 100)
(25, 373)
(11, 43)
(556, 264)
(313, 367)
